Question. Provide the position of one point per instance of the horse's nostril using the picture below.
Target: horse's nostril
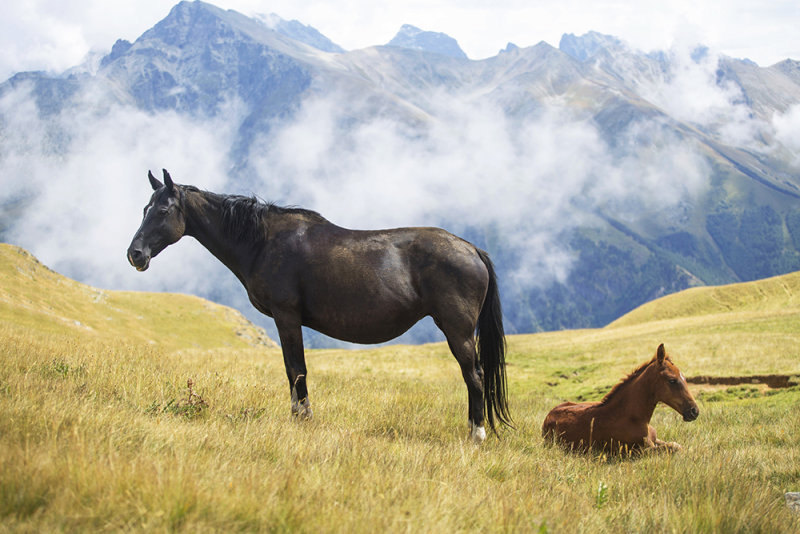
(691, 413)
(135, 257)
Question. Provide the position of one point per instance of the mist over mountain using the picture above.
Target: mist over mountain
(597, 176)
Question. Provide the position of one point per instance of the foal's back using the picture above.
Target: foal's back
(578, 424)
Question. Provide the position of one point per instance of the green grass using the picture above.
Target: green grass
(99, 433)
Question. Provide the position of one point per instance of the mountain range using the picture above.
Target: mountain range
(599, 177)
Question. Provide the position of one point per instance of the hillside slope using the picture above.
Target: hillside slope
(777, 294)
(35, 297)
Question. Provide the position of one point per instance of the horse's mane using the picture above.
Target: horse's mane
(246, 216)
(628, 379)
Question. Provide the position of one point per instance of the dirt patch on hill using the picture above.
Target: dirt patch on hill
(771, 381)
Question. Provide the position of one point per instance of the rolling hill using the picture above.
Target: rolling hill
(776, 295)
(37, 298)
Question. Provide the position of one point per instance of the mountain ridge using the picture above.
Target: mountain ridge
(671, 193)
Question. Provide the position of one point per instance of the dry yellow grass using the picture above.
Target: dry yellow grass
(32, 295)
(780, 294)
(94, 436)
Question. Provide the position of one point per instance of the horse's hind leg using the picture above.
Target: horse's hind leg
(462, 345)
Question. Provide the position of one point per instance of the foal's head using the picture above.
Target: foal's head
(669, 386)
(163, 223)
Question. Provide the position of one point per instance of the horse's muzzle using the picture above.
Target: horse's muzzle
(690, 413)
(138, 259)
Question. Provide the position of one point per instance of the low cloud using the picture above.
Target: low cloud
(532, 183)
(787, 134)
(472, 170)
(83, 177)
(693, 91)
(690, 91)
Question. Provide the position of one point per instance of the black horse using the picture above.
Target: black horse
(357, 286)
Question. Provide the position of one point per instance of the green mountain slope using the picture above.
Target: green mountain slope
(779, 294)
(35, 297)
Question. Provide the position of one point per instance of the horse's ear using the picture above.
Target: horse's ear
(661, 354)
(154, 181)
(168, 181)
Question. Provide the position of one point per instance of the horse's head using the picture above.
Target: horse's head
(162, 225)
(671, 387)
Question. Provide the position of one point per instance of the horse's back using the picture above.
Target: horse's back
(432, 261)
(369, 286)
(441, 257)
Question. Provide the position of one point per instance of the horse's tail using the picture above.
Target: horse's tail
(492, 350)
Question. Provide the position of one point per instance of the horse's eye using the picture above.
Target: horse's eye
(163, 211)
(673, 380)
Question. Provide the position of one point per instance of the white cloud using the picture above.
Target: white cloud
(36, 40)
(475, 168)
(787, 133)
(691, 92)
(85, 174)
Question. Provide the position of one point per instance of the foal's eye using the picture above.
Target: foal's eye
(673, 380)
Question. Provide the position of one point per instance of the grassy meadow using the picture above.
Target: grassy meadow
(99, 431)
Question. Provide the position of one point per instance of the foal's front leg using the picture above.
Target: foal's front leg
(654, 443)
(294, 360)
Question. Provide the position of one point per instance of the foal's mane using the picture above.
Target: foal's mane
(246, 217)
(630, 378)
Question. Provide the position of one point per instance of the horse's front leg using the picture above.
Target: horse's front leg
(294, 360)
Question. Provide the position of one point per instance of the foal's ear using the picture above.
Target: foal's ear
(168, 181)
(154, 183)
(661, 354)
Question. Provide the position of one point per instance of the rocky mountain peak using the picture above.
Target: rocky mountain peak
(416, 39)
(586, 46)
(300, 32)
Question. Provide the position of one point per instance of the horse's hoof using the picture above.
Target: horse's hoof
(477, 433)
(302, 410)
(303, 415)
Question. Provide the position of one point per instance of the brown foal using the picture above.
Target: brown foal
(620, 422)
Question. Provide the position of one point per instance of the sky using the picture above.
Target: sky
(54, 35)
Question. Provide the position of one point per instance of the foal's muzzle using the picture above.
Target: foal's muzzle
(690, 413)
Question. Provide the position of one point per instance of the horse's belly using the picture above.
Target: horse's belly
(363, 326)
